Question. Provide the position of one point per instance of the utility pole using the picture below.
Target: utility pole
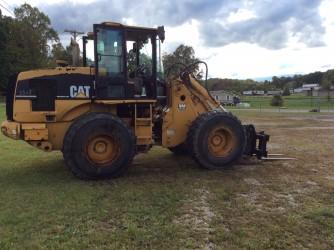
(74, 33)
(75, 46)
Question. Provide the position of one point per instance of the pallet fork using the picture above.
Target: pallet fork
(256, 145)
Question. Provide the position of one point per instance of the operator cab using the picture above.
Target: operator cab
(127, 61)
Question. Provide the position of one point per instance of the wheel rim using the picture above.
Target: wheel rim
(102, 150)
(221, 141)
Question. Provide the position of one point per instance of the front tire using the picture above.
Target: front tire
(216, 140)
(98, 146)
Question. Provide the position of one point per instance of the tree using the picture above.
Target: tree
(183, 54)
(58, 52)
(33, 31)
(327, 82)
(24, 42)
(4, 66)
(313, 77)
(277, 101)
(277, 82)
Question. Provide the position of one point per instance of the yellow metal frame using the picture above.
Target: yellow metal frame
(186, 101)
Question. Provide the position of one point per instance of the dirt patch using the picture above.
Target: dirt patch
(311, 128)
(269, 203)
(331, 178)
(252, 181)
(198, 216)
(322, 118)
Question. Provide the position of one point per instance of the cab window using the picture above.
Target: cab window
(110, 52)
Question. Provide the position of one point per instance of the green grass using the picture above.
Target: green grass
(291, 102)
(166, 201)
(323, 218)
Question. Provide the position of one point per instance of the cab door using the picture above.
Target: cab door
(110, 65)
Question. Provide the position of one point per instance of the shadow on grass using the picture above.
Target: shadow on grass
(157, 166)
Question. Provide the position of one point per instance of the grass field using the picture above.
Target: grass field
(166, 201)
(291, 102)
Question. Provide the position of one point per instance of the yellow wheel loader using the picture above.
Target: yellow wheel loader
(102, 114)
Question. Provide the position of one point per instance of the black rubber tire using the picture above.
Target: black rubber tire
(95, 124)
(197, 139)
(179, 149)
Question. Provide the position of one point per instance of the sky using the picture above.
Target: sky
(241, 39)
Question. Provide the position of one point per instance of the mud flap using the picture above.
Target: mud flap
(256, 143)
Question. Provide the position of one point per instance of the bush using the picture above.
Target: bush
(286, 91)
(277, 101)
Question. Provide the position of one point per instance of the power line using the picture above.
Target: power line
(5, 3)
(7, 7)
(8, 10)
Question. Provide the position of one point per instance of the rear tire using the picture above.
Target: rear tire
(98, 146)
(216, 140)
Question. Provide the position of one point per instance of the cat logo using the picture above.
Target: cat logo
(79, 91)
(182, 107)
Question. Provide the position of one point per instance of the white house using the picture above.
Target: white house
(312, 86)
(298, 90)
(253, 92)
(258, 92)
(322, 92)
(247, 92)
(274, 92)
(224, 97)
(308, 89)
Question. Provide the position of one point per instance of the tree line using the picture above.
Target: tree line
(186, 55)
(27, 41)
(284, 83)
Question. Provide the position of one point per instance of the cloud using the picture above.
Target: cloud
(81, 16)
(271, 26)
(145, 12)
(274, 23)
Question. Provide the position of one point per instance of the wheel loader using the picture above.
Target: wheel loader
(103, 113)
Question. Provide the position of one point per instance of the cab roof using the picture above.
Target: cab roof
(160, 31)
(115, 24)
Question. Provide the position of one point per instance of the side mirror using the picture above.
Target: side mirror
(134, 47)
(161, 33)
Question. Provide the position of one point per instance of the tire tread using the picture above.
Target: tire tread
(193, 134)
(72, 132)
